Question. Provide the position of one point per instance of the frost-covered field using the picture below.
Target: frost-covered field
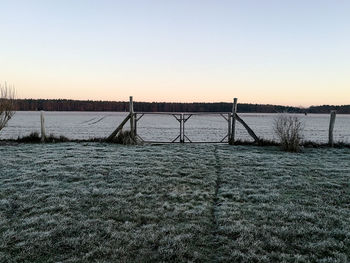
(95, 202)
(86, 125)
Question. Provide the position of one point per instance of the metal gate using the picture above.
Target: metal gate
(182, 119)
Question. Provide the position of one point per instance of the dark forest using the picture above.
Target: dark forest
(88, 105)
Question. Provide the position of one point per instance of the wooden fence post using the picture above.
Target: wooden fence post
(132, 117)
(42, 122)
(118, 129)
(233, 122)
(135, 124)
(229, 127)
(331, 127)
(249, 130)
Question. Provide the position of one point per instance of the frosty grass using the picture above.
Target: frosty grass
(173, 203)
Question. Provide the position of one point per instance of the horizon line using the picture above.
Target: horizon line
(193, 102)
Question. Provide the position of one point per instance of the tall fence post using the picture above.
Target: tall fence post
(229, 127)
(135, 124)
(331, 127)
(42, 122)
(132, 117)
(233, 122)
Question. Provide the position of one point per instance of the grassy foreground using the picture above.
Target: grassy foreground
(95, 202)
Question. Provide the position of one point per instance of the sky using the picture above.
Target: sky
(272, 52)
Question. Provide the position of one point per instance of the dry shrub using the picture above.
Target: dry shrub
(34, 137)
(7, 96)
(126, 138)
(289, 132)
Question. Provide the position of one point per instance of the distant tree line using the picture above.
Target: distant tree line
(89, 105)
(343, 109)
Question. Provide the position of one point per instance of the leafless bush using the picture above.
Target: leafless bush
(126, 138)
(289, 132)
(7, 96)
(34, 137)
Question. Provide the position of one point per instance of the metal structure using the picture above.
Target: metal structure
(182, 118)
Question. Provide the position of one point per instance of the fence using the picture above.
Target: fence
(181, 130)
(182, 118)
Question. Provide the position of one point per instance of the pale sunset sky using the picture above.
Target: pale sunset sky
(261, 51)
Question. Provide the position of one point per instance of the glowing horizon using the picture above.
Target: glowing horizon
(283, 53)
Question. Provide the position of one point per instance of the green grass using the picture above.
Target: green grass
(96, 202)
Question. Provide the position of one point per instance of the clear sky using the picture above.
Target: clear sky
(262, 51)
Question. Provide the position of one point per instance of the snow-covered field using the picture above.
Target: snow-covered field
(91, 202)
(86, 125)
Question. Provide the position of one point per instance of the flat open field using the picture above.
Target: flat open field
(209, 128)
(75, 202)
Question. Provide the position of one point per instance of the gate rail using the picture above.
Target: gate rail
(182, 118)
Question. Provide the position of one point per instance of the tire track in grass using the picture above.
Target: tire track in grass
(216, 203)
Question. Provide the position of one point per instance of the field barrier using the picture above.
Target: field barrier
(182, 118)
